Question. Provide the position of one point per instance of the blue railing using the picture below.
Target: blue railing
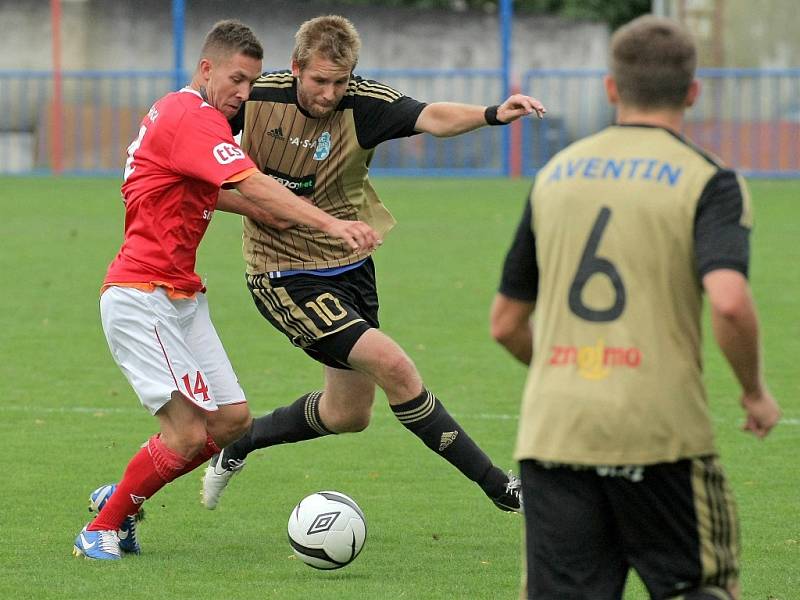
(483, 152)
(748, 117)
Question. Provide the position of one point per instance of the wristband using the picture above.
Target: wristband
(490, 114)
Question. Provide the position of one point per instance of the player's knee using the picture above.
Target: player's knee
(399, 372)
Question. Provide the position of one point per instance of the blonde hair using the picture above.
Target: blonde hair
(332, 37)
(653, 60)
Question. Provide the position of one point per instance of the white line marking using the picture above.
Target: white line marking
(257, 412)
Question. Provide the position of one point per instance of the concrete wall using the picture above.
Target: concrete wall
(127, 34)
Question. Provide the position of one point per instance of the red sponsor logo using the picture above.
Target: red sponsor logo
(595, 362)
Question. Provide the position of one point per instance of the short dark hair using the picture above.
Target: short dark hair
(332, 36)
(231, 37)
(653, 60)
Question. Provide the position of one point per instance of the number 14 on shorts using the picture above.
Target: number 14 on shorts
(198, 391)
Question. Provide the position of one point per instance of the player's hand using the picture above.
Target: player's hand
(518, 106)
(763, 412)
(356, 234)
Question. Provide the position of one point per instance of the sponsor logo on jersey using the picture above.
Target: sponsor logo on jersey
(595, 362)
(323, 146)
(302, 186)
(277, 133)
(226, 153)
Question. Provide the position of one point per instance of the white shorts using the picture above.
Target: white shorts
(164, 345)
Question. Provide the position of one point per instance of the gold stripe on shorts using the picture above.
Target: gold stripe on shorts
(283, 309)
(717, 524)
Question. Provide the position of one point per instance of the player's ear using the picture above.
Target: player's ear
(611, 89)
(205, 67)
(693, 93)
(295, 68)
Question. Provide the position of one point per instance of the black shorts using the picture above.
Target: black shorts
(323, 315)
(585, 528)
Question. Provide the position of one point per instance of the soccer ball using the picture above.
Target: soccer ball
(327, 530)
(99, 497)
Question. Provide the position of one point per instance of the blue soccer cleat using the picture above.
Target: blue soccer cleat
(128, 540)
(97, 545)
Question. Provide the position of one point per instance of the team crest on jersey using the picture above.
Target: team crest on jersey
(226, 153)
(323, 146)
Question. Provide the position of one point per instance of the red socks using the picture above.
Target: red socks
(150, 469)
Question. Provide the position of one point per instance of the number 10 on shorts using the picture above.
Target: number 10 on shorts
(198, 391)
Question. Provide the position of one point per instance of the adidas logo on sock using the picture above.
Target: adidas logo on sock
(448, 437)
(276, 133)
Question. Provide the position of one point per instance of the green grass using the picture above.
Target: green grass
(70, 422)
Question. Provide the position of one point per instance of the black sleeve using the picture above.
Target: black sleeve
(382, 114)
(520, 279)
(721, 240)
(237, 121)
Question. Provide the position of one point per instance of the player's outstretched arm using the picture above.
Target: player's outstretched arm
(510, 326)
(280, 205)
(234, 202)
(735, 324)
(446, 119)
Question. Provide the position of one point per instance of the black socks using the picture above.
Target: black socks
(428, 419)
(294, 423)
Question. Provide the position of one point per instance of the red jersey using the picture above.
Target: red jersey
(184, 153)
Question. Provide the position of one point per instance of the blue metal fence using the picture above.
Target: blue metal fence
(749, 117)
(483, 152)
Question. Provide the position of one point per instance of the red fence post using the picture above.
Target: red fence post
(57, 108)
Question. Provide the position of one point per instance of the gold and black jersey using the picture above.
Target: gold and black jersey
(324, 160)
(617, 233)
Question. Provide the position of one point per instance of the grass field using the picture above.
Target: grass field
(70, 421)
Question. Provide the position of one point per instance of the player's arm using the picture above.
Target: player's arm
(735, 325)
(510, 326)
(234, 202)
(722, 250)
(446, 119)
(282, 205)
(510, 315)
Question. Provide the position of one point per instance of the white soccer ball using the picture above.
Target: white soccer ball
(327, 530)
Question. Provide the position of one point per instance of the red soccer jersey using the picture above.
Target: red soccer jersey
(184, 153)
